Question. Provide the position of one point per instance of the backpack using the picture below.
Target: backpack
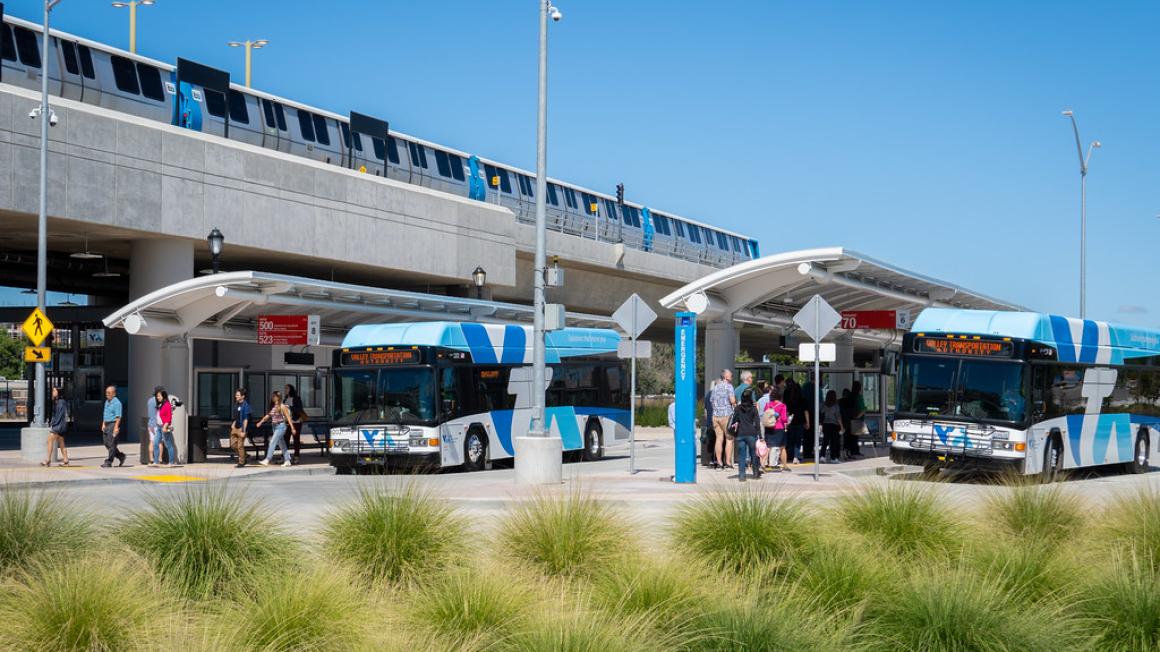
(769, 417)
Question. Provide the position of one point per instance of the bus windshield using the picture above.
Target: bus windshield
(957, 387)
(397, 395)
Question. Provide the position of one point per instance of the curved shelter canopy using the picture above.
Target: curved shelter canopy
(226, 307)
(768, 291)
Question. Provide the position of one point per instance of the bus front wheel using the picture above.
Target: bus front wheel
(1052, 460)
(474, 451)
(593, 447)
(1139, 463)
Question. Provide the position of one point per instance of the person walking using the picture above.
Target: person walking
(151, 426)
(831, 428)
(164, 428)
(723, 400)
(57, 427)
(748, 423)
(240, 426)
(111, 427)
(297, 414)
(280, 418)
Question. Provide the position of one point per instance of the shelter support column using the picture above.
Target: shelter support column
(844, 358)
(722, 342)
(153, 264)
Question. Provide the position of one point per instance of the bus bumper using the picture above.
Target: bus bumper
(954, 460)
(383, 460)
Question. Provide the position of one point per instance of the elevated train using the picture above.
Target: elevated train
(97, 74)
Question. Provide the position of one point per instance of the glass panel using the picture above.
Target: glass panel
(7, 46)
(321, 130)
(990, 390)
(87, 62)
(281, 114)
(927, 385)
(150, 82)
(355, 399)
(26, 47)
(393, 149)
(256, 393)
(456, 164)
(68, 51)
(306, 124)
(215, 394)
(268, 112)
(215, 104)
(125, 75)
(441, 163)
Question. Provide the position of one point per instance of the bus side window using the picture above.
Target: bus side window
(1039, 393)
(448, 394)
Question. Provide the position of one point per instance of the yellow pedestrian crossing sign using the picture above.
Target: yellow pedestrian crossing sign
(37, 327)
(37, 354)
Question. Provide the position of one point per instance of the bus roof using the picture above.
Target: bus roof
(487, 343)
(1075, 340)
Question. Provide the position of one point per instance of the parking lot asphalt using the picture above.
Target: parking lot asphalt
(301, 495)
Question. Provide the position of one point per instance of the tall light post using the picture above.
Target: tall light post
(250, 47)
(535, 458)
(46, 117)
(132, 5)
(1083, 170)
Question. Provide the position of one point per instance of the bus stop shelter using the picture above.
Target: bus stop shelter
(766, 293)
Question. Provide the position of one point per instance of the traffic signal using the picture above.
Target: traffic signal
(620, 193)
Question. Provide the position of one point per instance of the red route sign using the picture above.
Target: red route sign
(869, 319)
(283, 330)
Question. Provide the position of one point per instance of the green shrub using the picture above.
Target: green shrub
(471, 608)
(652, 415)
(322, 609)
(1043, 515)
(784, 621)
(206, 541)
(575, 629)
(1033, 572)
(840, 573)
(395, 535)
(566, 536)
(101, 602)
(1132, 526)
(955, 610)
(35, 525)
(742, 531)
(1122, 607)
(904, 519)
(672, 595)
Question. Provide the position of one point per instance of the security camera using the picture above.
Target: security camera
(556, 15)
(52, 118)
(34, 113)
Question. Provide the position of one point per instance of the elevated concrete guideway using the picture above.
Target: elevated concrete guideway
(768, 291)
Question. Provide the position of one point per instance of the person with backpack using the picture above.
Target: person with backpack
(799, 421)
(164, 429)
(57, 427)
(773, 420)
(748, 424)
(278, 416)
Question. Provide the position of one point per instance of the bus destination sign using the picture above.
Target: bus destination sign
(379, 358)
(948, 346)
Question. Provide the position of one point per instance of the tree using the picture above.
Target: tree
(654, 375)
(11, 358)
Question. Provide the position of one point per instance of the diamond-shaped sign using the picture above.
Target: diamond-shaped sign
(817, 318)
(37, 327)
(634, 316)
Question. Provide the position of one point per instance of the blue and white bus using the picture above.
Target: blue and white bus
(1030, 392)
(449, 394)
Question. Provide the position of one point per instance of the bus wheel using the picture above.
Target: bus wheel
(1052, 461)
(474, 451)
(1139, 463)
(593, 447)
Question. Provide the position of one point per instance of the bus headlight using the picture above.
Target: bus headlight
(908, 436)
(1001, 445)
(340, 444)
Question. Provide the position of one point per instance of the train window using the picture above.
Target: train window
(695, 233)
(570, 198)
(280, 114)
(125, 75)
(215, 103)
(442, 164)
(456, 167)
(393, 150)
(736, 244)
(722, 242)
(418, 155)
(345, 129)
(379, 147)
(321, 131)
(268, 113)
(680, 226)
(86, 61)
(552, 194)
(306, 126)
(661, 224)
(589, 201)
(26, 47)
(68, 51)
(150, 82)
(357, 141)
(530, 185)
(505, 183)
(491, 172)
(7, 46)
(239, 112)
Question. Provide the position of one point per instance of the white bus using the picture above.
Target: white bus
(447, 394)
(1029, 392)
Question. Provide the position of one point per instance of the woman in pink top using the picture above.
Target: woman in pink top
(775, 419)
(165, 424)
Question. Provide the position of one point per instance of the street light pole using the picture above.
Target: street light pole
(42, 217)
(1083, 170)
(540, 263)
(250, 47)
(132, 5)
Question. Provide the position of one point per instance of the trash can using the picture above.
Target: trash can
(198, 438)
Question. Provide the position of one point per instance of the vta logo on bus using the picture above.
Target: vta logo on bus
(945, 432)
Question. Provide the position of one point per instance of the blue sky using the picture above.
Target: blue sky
(925, 134)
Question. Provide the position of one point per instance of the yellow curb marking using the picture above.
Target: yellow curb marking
(168, 478)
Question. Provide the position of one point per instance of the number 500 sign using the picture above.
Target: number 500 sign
(289, 330)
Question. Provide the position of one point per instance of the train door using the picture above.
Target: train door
(72, 80)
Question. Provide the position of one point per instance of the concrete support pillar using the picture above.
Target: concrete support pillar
(844, 355)
(722, 342)
(154, 264)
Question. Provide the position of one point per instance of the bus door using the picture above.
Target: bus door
(452, 392)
